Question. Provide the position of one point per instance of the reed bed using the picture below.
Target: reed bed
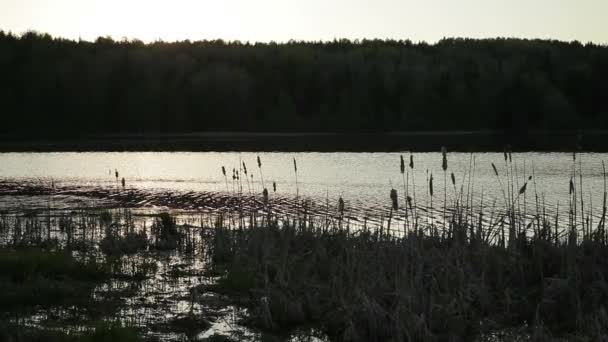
(517, 275)
(370, 285)
(452, 270)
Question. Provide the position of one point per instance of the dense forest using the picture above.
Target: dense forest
(51, 86)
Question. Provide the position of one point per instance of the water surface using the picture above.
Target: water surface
(362, 179)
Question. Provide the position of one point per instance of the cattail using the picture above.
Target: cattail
(261, 174)
(411, 161)
(123, 182)
(245, 168)
(341, 205)
(571, 186)
(431, 185)
(409, 201)
(453, 179)
(233, 174)
(116, 173)
(265, 194)
(444, 163)
(274, 186)
(225, 178)
(495, 170)
(295, 169)
(504, 151)
(402, 165)
(510, 153)
(523, 188)
(394, 201)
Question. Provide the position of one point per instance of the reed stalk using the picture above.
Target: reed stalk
(444, 167)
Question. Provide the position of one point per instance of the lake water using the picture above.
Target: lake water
(362, 179)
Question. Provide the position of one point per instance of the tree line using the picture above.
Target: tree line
(51, 86)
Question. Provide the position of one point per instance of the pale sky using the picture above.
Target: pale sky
(281, 20)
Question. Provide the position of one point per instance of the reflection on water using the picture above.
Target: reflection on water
(362, 179)
(167, 293)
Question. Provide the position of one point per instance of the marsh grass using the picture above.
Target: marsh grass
(479, 271)
(102, 332)
(31, 277)
(60, 289)
(465, 278)
(372, 286)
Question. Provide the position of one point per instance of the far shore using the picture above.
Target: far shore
(465, 141)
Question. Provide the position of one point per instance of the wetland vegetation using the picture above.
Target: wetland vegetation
(246, 266)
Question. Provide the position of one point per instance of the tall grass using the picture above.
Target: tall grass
(483, 270)
(468, 278)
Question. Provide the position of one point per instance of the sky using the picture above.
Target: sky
(281, 20)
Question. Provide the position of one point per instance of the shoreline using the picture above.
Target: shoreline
(463, 141)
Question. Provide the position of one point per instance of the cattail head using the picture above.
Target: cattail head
(431, 185)
(571, 186)
(123, 182)
(274, 186)
(245, 168)
(233, 174)
(237, 175)
(394, 199)
(495, 170)
(295, 165)
(504, 151)
(444, 154)
(409, 201)
(453, 179)
(402, 165)
(341, 205)
(224, 171)
(411, 161)
(265, 194)
(116, 173)
(259, 162)
(523, 188)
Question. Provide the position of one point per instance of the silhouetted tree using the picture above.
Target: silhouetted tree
(61, 87)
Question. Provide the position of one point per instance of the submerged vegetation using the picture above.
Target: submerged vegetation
(440, 271)
(52, 86)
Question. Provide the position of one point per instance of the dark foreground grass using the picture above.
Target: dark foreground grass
(103, 332)
(37, 277)
(59, 285)
(369, 286)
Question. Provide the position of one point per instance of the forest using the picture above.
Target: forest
(59, 87)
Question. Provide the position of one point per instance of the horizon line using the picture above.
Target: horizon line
(127, 39)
